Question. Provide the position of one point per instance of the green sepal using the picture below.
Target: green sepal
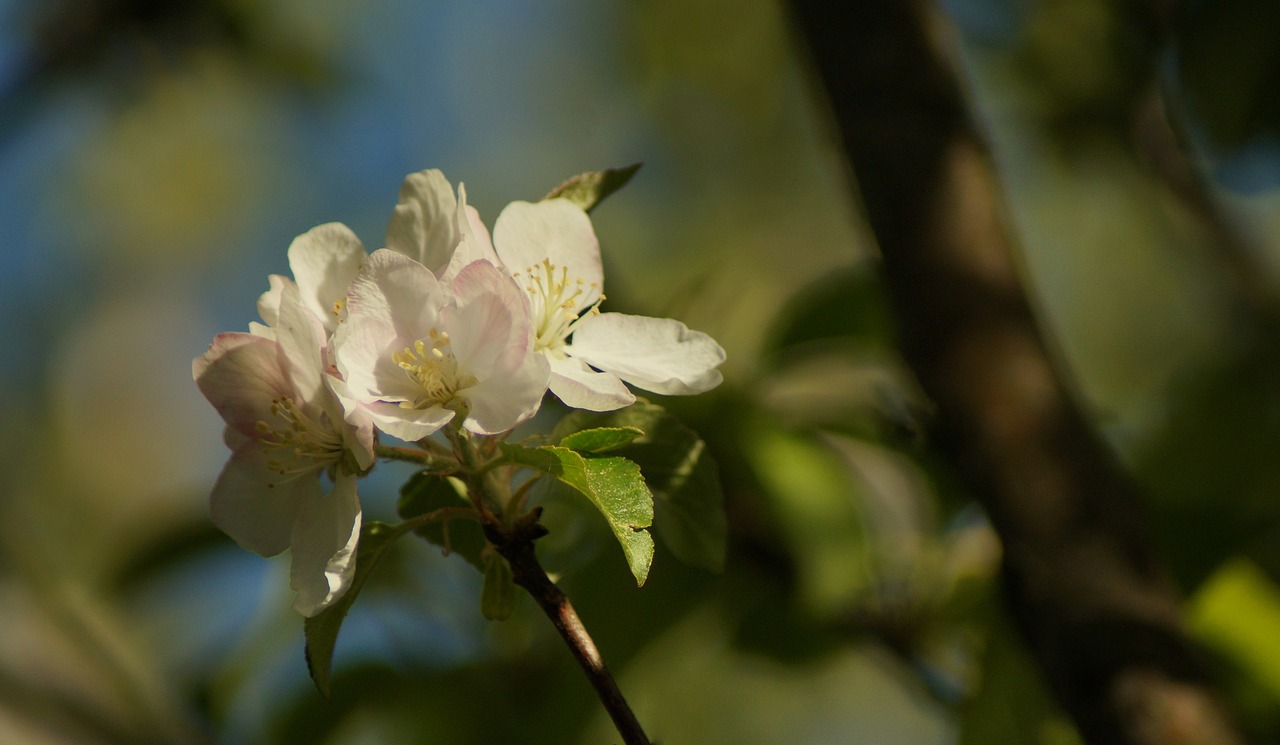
(589, 189)
(321, 630)
(424, 493)
(498, 596)
(688, 506)
(614, 485)
(601, 439)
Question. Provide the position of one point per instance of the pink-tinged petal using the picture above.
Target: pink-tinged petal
(234, 438)
(323, 543)
(302, 339)
(269, 301)
(398, 291)
(557, 230)
(580, 387)
(474, 243)
(257, 516)
(423, 225)
(364, 348)
(408, 424)
(324, 260)
(488, 324)
(240, 375)
(656, 354)
(502, 402)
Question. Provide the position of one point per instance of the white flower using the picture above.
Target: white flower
(429, 225)
(323, 261)
(438, 230)
(415, 352)
(285, 427)
(551, 250)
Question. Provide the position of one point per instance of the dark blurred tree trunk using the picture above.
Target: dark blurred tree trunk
(1097, 608)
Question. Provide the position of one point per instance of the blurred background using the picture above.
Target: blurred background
(156, 159)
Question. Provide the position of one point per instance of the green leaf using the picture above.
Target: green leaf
(498, 597)
(425, 493)
(614, 485)
(321, 630)
(601, 439)
(621, 494)
(589, 189)
(815, 500)
(1237, 612)
(688, 501)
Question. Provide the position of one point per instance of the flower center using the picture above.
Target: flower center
(552, 295)
(298, 444)
(434, 370)
(339, 306)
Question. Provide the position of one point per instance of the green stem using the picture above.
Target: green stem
(430, 461)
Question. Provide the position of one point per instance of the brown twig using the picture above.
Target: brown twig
(1097, 607)
(515, 544)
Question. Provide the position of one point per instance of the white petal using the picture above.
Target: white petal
(259, 517)
(357, 434)
(488, 324)
(240, 374)
(423, 224)
(557, 230)
(323, 543)
(408, 424)
(324, 260)
(361, 351)
(399, 291)
(474, 243)
(656, 354)
(269, 301)
(302, 339)
(581, 387)
(503, 401)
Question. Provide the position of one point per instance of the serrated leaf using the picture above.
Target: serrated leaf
(589, 189)
(614, 485)
(600, 439)
(688, 501)
(321, 630)
(498, 596)
(425, 493)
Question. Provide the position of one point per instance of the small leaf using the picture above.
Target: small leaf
(688, 501)
(498, 596)
(589, 189)
(601, 439)
(425, 493)
(321, 630)
(622, 495)
(614, 485)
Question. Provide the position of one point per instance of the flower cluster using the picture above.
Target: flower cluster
(446, 326)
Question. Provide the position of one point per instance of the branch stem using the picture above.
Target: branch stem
(515, 544)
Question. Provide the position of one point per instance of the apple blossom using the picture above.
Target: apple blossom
(285, 427)
(552, 252)
(323, 261)
(415, 352)
(429, 224)
(433, 227)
